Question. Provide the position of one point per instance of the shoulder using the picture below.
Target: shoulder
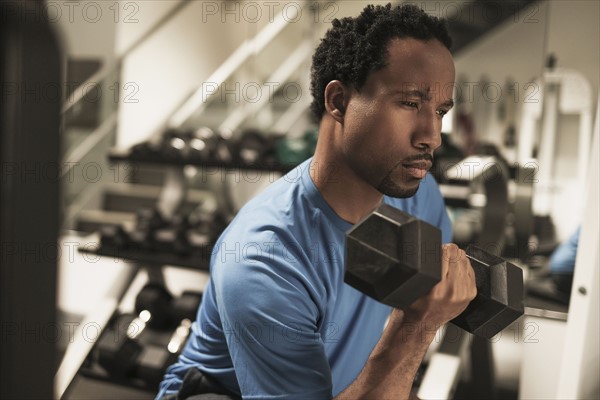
(261, 263)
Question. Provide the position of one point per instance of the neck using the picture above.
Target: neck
(350, 197)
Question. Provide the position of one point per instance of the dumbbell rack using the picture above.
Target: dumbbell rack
(127, 156)
(153, 261)
(175, 185)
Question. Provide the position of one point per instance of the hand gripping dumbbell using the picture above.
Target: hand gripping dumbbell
(395, 258)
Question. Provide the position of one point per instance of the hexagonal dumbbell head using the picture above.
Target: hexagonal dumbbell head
(499, 300)
(393, 257)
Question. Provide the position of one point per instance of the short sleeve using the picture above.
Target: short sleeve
(432, 208)
(270, 323)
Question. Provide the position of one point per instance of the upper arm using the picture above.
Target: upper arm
(270, 323)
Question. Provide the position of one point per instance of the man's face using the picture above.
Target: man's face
(392, 126)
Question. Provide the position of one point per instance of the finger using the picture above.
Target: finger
(451, 252)
(446, 250)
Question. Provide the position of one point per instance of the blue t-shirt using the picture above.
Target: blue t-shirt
(277, 319)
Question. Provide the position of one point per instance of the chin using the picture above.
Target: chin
(392, 189)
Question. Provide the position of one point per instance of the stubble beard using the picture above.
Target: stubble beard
(392, 189)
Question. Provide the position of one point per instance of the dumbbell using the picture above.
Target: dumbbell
(186, 306)
(184, 311)
(154, 360)
(147, 149)
(184, 232)
(115, 351)
(201, 144)
(206, 226)
(113, 237)
(251, 147)
(395, 258)
(173, 145)
(152, 363)
(118, 352)
(292, 151)
(173, 238)
(148, 221)
(255, 147)
(224, 149)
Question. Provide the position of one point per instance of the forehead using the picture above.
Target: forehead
(415, 65)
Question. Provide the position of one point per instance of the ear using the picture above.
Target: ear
(336, 100)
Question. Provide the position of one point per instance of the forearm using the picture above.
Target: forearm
(391, 368)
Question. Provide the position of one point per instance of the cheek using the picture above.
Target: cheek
(358, 129)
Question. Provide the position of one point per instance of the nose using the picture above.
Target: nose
(429, 130)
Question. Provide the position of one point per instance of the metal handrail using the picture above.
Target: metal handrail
(109, 67)
(90, 143)
(198, 100)
(281, 74)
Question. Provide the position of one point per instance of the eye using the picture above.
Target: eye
(411, 104)
(441, 113)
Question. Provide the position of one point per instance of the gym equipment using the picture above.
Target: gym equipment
(251, 147)
(174, 237)
(173, 146)
(148, 221)
(201, 144)
(257, 148)
(113, 237)
(186, 306)
(183, 235)
(481, 183)
(151, 364)
(292, 151)
(224, 151)
(115, 351)
(204, 145)
(140, 348)
(153, 360)
(522, 210)
(179, 336)
(156, 300)
(146, 149)
(395, 258)
(118, 352)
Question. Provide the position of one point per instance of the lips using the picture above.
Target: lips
(417, 170)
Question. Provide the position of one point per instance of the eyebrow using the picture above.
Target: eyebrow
(415, 93)
(448, 103)
(423, 96)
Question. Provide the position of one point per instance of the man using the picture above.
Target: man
(277, 320)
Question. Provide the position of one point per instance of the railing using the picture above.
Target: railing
(251, 47)
(84, 167)
(270, 45)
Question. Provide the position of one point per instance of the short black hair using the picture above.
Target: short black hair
(357, 46)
